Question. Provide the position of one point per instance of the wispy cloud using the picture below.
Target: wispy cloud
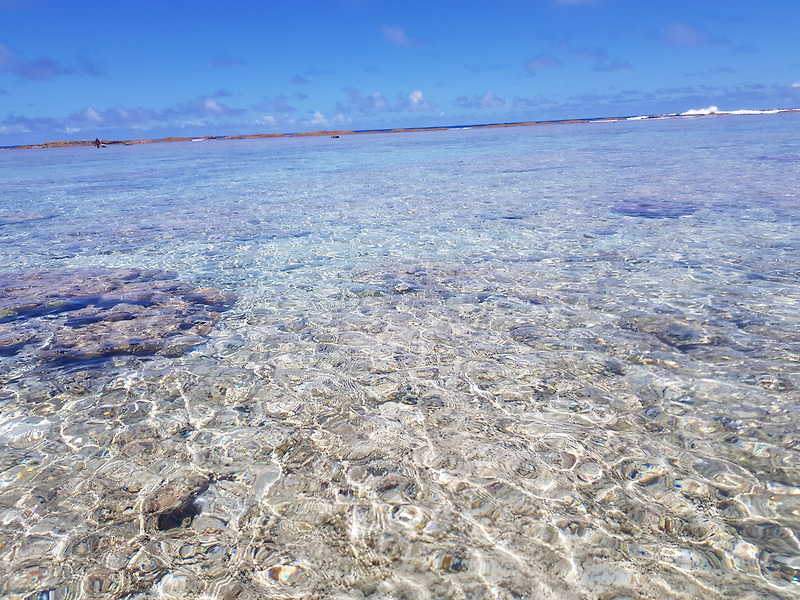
(202, 107)
(677, 91)
(586, 53)
(198, 111)
(601, 60)
(277, 104)
(376, 102)
(317, 72)
(610, 66)
(213, 107)
(318, 120)
(542, 62)
(476, 68)
(92, 116)
(744, 49)
(44, 68)
(15, 124)
(679, 33)
(34, 70)
(395, 34)
(87, 66)
(222, 61)
(267, 120)
(306, 77)
(714, 71)
(487, 101)
(371, 104)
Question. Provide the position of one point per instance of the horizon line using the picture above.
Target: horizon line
(708, 112)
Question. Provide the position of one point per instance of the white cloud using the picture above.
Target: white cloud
(416, 101)
(318, 120)
(212, 106)
(92, 116)
(378, 101)
(490, 100)
(796, 84)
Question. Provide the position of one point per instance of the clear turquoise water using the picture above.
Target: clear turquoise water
(536, 362)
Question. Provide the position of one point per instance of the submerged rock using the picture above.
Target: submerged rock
(654, 209)
(85, 314)
(13, 340)
(23, 217)
(681, 334)
(173, 504)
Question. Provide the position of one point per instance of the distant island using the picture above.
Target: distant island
(712, 111)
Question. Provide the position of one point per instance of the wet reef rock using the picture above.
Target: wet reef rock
(88, 314)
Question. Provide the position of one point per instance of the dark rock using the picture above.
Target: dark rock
(173, 503)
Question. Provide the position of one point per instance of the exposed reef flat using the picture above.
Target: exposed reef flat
(88, 314)
(339, 132)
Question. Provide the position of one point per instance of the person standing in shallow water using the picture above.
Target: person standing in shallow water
(97, 142)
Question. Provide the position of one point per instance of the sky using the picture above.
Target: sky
(126, 69)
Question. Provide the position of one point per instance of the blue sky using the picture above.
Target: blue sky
(80, 69)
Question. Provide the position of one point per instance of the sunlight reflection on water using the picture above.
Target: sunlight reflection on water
(544, 362)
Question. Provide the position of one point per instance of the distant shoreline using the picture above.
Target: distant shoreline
(340, 132)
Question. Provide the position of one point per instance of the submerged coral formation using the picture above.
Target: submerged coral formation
(87, 314)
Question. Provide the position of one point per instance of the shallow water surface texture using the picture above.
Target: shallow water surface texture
(539, 362)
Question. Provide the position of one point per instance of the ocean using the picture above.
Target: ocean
(530, 362)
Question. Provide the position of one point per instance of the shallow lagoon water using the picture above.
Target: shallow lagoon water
(536, 362)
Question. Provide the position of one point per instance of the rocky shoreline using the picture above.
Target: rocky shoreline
(337, 133)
